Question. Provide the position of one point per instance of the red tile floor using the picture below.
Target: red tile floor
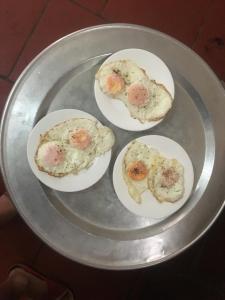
(26, 27)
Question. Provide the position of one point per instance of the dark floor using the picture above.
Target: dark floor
(26, 27)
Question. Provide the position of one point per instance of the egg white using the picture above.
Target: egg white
(102, 140)
(72, 159)
(160, 100)
(138, 152)
(159, 103)
(127, 69)
(161, 193)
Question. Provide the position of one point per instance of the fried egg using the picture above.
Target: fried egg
(114, 77)
(72, 145)
(145, 99)
(144, 168)
(166, 179)
(137, 162)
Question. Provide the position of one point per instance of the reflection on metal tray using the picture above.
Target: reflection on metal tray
(92, 226)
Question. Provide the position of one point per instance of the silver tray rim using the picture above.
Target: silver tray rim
(4, 115)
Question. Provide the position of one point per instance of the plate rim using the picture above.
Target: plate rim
(118, 165)
(39, 174)
(99, 94)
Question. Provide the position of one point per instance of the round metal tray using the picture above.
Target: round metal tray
(92, 226)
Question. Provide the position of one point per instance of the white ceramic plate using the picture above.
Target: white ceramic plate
(114, 110)
(69, 183)
(150, 207)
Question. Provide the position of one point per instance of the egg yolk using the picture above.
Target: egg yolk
(114, 84)
(137, 94)
(54, 156)
(80, 139)
(137, 170)
(169, 177)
